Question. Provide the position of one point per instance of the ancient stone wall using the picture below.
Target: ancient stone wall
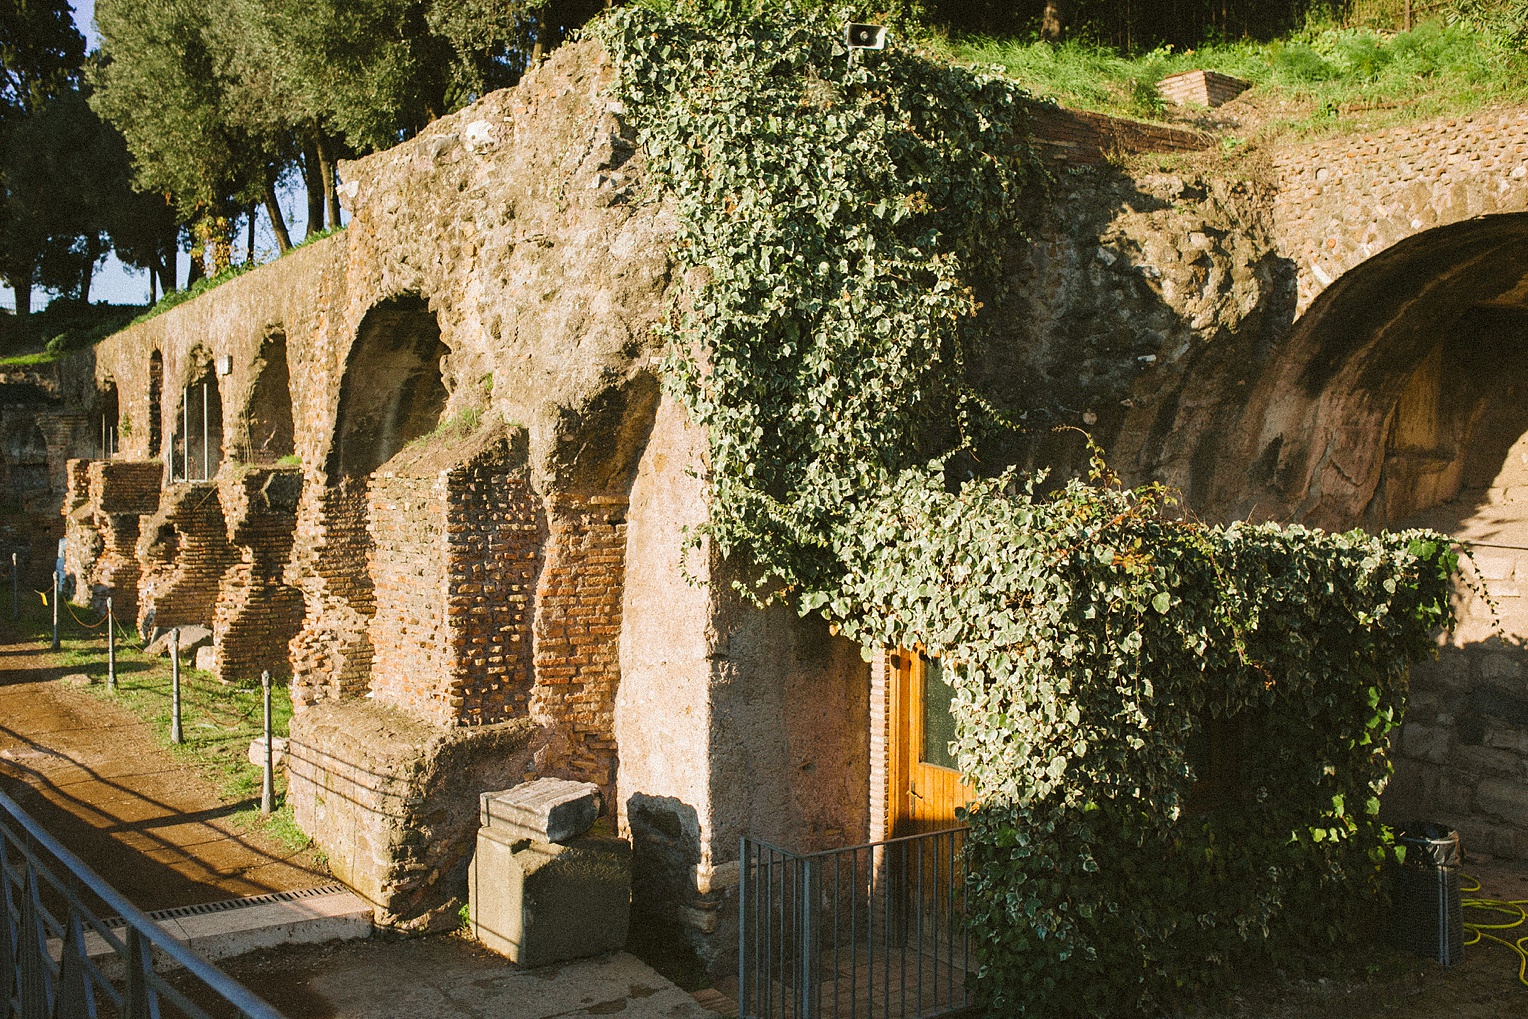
(455, 554)
(256, 614)
(184, 551)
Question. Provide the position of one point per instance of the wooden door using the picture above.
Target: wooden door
(925, 785)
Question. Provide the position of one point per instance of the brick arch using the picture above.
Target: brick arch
(1342, 201)
(1311, 440)
(264, 431)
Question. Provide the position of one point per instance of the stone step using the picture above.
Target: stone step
(221, 930)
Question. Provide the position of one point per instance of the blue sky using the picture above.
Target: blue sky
(117, 283)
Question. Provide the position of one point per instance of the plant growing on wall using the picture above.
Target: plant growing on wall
(841, 223)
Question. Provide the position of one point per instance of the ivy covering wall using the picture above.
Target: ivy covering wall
(841, 225)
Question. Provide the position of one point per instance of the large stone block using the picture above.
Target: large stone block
(546, 810)
(393, 800)
(539, 903)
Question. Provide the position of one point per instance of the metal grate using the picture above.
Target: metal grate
(869, 931)
(224, 905)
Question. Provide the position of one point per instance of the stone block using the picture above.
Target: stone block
(207, 658)
(191, 638)
(1503, 798)
(547, 810)
(1425, 742)
(278, 751)
(539, 903)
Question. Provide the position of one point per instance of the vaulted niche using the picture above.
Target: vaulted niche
(197, 449)
(156, 404)
(265, 432)
(392, 392)
(108, 413)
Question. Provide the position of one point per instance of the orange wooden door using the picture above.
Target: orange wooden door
(925, 785)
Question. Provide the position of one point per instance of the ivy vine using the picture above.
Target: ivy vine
(841, 222)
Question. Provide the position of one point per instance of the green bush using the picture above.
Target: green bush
(839, 226)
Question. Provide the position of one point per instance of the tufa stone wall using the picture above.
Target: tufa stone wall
(394, 801)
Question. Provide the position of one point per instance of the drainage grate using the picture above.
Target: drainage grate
(203, 908)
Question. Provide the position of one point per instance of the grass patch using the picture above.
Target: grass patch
(59, 329)
(1335, 76)
(217, 721)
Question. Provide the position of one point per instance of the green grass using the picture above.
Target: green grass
(1333, 76)
(59, 329)
(217, 721)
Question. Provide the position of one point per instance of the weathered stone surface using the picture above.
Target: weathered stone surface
(394, 800)
(547, 809)
(539, 903)
(188, 640)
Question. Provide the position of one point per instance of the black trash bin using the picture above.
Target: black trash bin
(1429, 918)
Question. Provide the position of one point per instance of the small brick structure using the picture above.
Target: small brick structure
(185, 552)
(1201, 88)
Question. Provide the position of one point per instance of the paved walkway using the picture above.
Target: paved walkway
(93, 774)
(447, 976)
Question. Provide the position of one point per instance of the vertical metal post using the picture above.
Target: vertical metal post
(103, 437)
(806, 952)
(15, 587)
(742, 927)
(185, 430)
(206, 453)
(268, 786)
(57, 584)
(111, 648)
(175, 734)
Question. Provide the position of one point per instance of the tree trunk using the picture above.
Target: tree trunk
(198, 266)
(24, 299)
(169, 259)
(539, 48)
(249, 234)
(278, 221)
(154, 272)
(1053, 21)
(313, 180)
(326, 165)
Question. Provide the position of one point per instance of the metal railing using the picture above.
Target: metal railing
(869, 931)
(56, 951)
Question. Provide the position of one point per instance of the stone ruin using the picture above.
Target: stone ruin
(440, 487)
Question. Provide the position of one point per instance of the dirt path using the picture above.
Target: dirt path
(93, 774)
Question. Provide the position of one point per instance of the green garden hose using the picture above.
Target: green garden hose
(1509, 914)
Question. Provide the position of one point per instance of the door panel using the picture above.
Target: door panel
(925, 788)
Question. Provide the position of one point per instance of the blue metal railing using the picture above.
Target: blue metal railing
(48, 934)
(869, 931)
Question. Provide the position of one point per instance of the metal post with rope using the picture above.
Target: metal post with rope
(56, 585)
(111, 648)
(268, 784)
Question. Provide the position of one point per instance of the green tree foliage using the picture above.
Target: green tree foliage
(1139, 25)
(40, 57)
(838, 231)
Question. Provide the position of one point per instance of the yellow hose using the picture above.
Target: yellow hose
(1513, 914)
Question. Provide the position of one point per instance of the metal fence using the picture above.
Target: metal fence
(60, 960)
(869, 931)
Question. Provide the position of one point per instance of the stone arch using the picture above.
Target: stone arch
(264, 433)
(392, 392)
(196, 448)
(1400, 399)
(1312, 439)
(156, 405)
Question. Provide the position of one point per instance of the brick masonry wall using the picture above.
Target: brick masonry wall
(577, 640)
(455, 555)
(1078, 138)
(105, 500)
(331, 655)
(257, 614)
(185, 552)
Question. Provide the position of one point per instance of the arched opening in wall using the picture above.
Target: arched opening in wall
(392, 392)
(196, 451)
(265, 430)
(156, 405)
(109, 415)
(1401, 400)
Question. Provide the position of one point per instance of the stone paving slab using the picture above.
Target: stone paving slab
(450, 976)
